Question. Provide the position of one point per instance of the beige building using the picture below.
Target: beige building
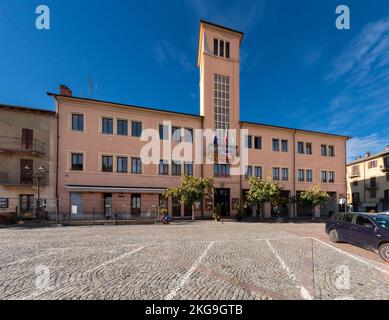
(27, 143)
(368, 182)
(101, 173)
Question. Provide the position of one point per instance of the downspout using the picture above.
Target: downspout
(240, 175)
(202, 164)
(57, 162)
(294, 176)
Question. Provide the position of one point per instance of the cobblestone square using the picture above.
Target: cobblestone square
(201, 260)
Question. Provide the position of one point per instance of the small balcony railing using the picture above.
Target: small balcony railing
(16, 179)
(16, 145)
(372, 186)
(354, 174)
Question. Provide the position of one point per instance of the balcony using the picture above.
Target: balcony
(16, 179)
(372, 186)
(16, 145)
(354, 174)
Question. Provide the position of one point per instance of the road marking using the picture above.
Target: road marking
(115, 259)
(40, 292)
(274, 239)
(352, 256)
(187, 275)
(304, 292)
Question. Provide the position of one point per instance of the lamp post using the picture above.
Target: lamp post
(42, 171)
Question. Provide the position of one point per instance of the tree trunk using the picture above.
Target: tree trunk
(193, 212)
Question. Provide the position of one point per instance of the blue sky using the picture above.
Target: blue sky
(297, 69)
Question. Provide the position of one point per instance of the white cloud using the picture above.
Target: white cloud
(360, 145)
(165, 52)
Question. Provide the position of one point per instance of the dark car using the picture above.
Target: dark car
(370, 231)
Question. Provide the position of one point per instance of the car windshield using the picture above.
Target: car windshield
(382, 221)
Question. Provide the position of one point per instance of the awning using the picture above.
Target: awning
(114, 189)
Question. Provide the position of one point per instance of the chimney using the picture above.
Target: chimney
(65, 91)
(367, 154)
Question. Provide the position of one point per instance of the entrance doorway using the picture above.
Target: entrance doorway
(222, 198)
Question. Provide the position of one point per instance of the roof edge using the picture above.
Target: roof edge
(124, 105)
(296, 129)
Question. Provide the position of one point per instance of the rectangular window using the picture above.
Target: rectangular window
(227, 50)
(308, 148)
(26, 202)
(216, 47)
(176, 134)
(136, 129)
(386, 163)
(249, 142)
(373, 194)
(122, 127)
(176, 168)
(221, 48)
(188, 135)
(301, 175)
(221, 102)
(121, 164)
(77, 122)
(221, 170)
(107, 125)
(163, 132)
(355, 170)
(136, 165)
(107, 164)
(284, 145)
(373, 182)
(77, 161)
(27, 138)
(276, 174)
(355, 183)
(386, 195)
(309, 174)
(323, 176)
(3, 203)
(163, 167)
(188, 168)
(372, 164)
(323, 149)
(331, 177)
(249, 172)
(300, 147)
(276, 145)
(258, 172)
(331, 151)
(284, 174)
(258, 143)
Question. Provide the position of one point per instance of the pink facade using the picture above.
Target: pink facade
(93, 138)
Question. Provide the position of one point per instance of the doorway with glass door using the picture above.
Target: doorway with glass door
(222, 199)
(108, 205)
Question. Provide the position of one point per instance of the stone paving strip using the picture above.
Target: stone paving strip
(202, 260)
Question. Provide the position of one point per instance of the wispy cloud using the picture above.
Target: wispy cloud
(241, 14)
(362, 104)
(359, 146)
(165, 52)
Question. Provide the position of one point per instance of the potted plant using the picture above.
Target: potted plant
(239, 214)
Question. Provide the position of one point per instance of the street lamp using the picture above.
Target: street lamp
(42, 171)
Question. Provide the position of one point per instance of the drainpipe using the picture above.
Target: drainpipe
(294, 175)
(57, 161)
(240, 175)
(202, 165)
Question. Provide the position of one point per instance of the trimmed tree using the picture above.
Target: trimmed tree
(192, 190)
(314, 197)
(263, 191)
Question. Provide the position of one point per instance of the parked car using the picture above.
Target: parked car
(369, 231)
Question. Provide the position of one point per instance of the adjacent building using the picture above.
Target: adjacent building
(368, 182)
(27, 143)
(100, 169)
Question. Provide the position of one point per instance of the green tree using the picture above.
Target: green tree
(191, 190)
(263, 191)
(314, 197)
